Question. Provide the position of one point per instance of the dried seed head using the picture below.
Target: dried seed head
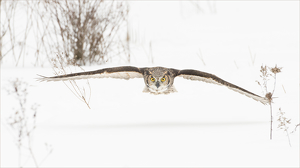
(258, 82)
(276, 69)
(264, 71)
(269, 96)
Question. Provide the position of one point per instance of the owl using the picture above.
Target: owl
(158, 80)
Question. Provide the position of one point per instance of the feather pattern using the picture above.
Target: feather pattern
(126, 72)
(210, 78)
(155, 87)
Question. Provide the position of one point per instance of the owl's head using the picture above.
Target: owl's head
(159, 81)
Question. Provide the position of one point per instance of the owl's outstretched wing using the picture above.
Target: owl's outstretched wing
(124, 72)
(210, 78)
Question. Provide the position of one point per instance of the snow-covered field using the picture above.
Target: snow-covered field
(203, 124)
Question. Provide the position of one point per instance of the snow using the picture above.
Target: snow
(202, 125)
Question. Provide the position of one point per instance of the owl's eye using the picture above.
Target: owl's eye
(163, 79)
(152, 79)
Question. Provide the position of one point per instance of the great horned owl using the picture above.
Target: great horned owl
(158, 80)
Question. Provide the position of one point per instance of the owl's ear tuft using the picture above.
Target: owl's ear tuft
(147, 72)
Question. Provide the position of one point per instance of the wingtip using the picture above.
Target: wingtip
(41, 78)
(40, 75)
(264, 100)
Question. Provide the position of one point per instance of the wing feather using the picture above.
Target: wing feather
(124, 72)
(210, 78)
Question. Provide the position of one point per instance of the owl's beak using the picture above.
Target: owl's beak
(157, 84)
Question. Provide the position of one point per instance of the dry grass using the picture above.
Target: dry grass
(62, 66)
(252, 56)
(13, 38)
(200, 6)
(22, 122)
(88, 32)
(284, 123)
(149, 53)
(201, 57)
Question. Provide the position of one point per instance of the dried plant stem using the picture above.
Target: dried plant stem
(31, 152)
(283, 123)
(45, 157)
(288, 136)
(271, 126)
(150, 53)
(274, 84)
(283, 89)
(59, 66)
(81, 96)
(201, 57)
(252, 57)
(265, 74)
(19, 159)
(22, 123)
(237, 67)
(296, 127)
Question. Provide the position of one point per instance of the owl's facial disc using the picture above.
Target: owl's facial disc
(157, 85)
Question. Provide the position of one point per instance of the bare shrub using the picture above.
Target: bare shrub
(22, 122)
(86, 31)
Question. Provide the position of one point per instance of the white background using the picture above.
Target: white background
(202, 124)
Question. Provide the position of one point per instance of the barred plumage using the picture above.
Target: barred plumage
(158, 80)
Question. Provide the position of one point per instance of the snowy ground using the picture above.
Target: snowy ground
(201, 125)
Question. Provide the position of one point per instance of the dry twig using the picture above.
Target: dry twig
(60, 67)
(266, 73)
